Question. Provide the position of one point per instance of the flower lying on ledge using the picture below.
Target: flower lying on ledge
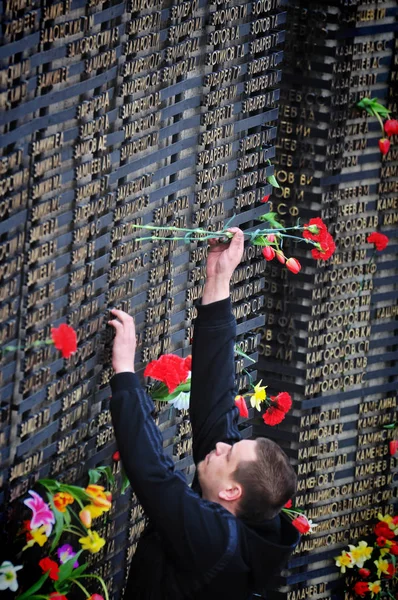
(277, 406)
(379, 240)
(374, 560)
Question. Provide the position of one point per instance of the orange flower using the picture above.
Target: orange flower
(98, 496)
(61, 500)
(85, 517)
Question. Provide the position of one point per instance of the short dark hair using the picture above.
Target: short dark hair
(267, 483)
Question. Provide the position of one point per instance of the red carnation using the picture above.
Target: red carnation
(364, 573)
(268, 253)
(288, 504)
(273, 416)
(382, 529)
(378, 239)
(310, 234)
(170, 369)
(384, 145)
(360, 588)
(188, 363)
(116, 456)
(301, 523)
(393, 445)
(241, 404)
(265, 198)
(51, 566)
(328, 247)
(65, 339)
(391, 127)
(282, 401)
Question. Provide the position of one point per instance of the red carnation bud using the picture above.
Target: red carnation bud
(391, 127)
(268, 253)
(293, 265)
(265, 198)
(116, 456)
(384, 145)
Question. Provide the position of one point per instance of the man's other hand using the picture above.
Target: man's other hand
(223, 259)
(124, 344)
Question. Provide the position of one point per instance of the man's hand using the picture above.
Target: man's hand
(222, 261)
(124, 343)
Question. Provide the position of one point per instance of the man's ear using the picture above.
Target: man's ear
(231, 493)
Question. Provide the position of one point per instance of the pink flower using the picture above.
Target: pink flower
(293, 265)
(271, 238)
(393, 447)
(95, 597)
(42, 514)
(281, 257)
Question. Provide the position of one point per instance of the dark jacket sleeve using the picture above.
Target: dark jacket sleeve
(213, 413)
(200, 535)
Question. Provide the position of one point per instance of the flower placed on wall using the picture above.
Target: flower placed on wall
(299, 520)
(51, 567)
(65, 553)
(379, 240)
(42, 514)
(65, 339)
(258, 396)
(92, 542)
(8, 576)
(61, 501)
(375, 109)
(373, 560)
(170, 369)
(242, 406)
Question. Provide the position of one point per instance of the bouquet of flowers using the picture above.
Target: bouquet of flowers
(372, 567)
(388, 128)
(270, 238)
(65, 512)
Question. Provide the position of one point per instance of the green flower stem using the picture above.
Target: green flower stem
(102, 582)
(376, 114)
(76, 532)
(81, 587)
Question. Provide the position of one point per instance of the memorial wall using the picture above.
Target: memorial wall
(118, 114)
(115, 114)
(330, 332)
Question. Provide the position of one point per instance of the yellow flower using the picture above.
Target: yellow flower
(258, 396)
(343, 561)
(92, 542)
(38, 536)
(374, 588)
(382, 566)
(386, 519)
(360, 554)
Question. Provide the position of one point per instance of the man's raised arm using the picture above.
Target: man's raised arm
(212, 408)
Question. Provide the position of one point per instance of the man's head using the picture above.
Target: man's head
(253, 479)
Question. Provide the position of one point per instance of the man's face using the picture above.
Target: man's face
(217, 469)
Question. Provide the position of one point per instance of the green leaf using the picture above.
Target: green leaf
(272, 180)
(391, 426)
(125, 482)
(76, 492)
(79, 570)
(35, 587)
(49, 484)
(259, 240)
(93, 476)
(271, 218)
(66, 568)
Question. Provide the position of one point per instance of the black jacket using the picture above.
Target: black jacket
(194, 549)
